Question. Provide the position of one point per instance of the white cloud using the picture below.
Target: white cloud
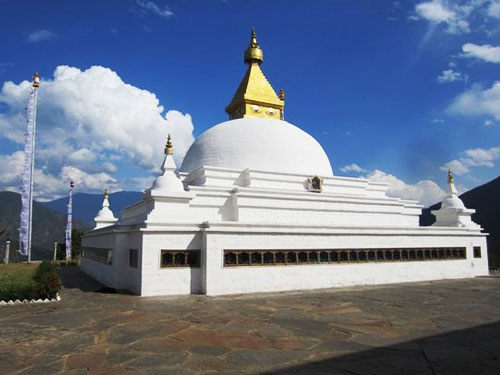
(478, 102)
(352, 168)
(86, 181)
(458, 16)
(485, 52)
(494, 9)
(476, 157)
(150, 6)
(82, 155)
(450, 75)
(483, 157)
(426, 192)
(435, 11)
(40, 35)
(456, 166)
(87, 121)
(488, 123)
(12, 168)
(440, 12)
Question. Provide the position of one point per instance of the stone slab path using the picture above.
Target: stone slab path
(443, 327)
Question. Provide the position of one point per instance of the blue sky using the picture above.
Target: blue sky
(396, 91)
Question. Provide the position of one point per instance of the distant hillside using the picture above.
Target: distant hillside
(485, 199)
(48, 226)
(86, 206)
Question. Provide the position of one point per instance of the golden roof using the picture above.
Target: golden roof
(255, 96)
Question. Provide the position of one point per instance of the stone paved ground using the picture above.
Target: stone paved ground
(445, 327)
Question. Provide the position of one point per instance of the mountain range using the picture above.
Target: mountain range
(48, 226)
(86, 206)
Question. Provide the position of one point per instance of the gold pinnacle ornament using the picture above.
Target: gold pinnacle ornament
(169, 149)
(450, 177)
(106, 193)
(254, 53)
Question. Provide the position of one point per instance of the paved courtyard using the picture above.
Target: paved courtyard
(444, 327)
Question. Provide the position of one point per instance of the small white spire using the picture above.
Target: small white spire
(105, 216)
(453, 212)
(168, 181)
(452, 200)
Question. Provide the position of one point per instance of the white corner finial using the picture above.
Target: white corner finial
(168, 181)
(105, 216)
(453, 212)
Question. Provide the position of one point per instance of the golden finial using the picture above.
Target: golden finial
(282, 94)
(254, 54)
(106, 193)
(169, 149)
(450, 177)
(36, 80)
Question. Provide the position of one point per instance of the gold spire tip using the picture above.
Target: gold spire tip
(450, 177)
(254, 54)
(106, 193)
(169, 149)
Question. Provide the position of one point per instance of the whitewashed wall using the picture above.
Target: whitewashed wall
(219, 280)
(172, 280)
(119, 274)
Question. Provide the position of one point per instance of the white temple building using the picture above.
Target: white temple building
(255, 207)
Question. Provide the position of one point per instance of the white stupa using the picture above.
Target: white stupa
(255, 207)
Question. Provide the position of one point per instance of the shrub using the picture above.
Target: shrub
(45, 268)
(48, 286)
(17, 291)
(47, 280)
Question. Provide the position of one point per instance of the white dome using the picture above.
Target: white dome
(258, 143)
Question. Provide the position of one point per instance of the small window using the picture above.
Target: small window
(280, 257)
(229, 259)
(133, 258)
(185, 258)
(243, 258)
(477, 251)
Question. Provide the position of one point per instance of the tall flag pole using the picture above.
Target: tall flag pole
(69, 224)
(26, 229)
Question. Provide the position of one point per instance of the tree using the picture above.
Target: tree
(76, 245)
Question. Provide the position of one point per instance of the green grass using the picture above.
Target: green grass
(16, 281)
(16, 273)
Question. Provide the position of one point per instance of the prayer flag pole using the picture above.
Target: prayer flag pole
(69, 224)
(26, 229)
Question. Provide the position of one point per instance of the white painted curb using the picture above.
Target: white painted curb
(26, 302)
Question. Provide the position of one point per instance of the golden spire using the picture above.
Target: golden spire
(255, 96)
(450, 177)
(106, 193)
(254, 54)
(169, 149)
